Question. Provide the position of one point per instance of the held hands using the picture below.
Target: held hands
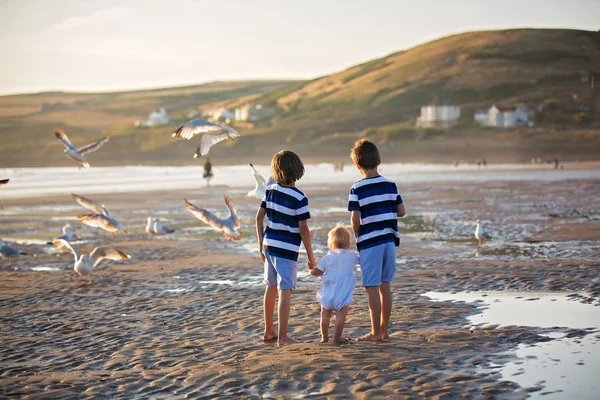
(311, 263)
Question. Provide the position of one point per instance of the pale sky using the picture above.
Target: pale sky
(104, 45)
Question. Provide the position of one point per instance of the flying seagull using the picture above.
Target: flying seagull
(261, 185)
(2, 183)
(230, 225)
(212, 134)
(100, 219)
(480, 234)
(77, 154)
(84, 264)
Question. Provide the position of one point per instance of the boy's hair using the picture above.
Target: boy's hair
(286, 167)
(338, 238)
(365, 154)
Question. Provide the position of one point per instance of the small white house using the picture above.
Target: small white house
(503, 116)
(217, 114)
(438, 115)
(155, 118)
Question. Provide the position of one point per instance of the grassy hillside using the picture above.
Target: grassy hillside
(322, 117)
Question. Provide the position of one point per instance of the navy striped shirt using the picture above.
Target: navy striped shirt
(377, 200)
(286, 207)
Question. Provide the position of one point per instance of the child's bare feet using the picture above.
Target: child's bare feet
(370, 337)
(269, 338)
(385, 336)
(324, 340)
(287, 340)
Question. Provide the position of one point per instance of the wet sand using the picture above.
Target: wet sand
(183, 317)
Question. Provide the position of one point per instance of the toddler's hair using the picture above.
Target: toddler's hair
(338, 238)
(286, 167)
(365, 154)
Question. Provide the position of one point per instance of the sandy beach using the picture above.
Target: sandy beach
(183, 317)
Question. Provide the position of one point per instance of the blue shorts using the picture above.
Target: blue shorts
(378, 264)
(280, 271)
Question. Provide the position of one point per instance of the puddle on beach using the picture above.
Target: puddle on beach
(44, 268)
(565, 367)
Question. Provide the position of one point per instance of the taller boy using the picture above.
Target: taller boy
(286, 208)
(375, 205)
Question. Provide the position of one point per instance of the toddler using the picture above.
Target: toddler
(337, 282)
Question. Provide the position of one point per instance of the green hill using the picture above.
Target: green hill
(322, 117)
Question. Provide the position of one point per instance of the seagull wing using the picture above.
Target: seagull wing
(60, 135)
(109, 253)
(63, 244)
(98, 221)
(93, 146)
(232, 212)
(4, 181)
(89, 204)
(205, 216)
(199, 126)
(208, 141)
(261, 185)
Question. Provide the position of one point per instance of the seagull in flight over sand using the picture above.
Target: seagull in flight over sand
(261, 185)
(154, 227)
(230, 225)
(212, 134)
(100, 219)
(2, 183)
(84, 264)
(77, 154)
(480, 234)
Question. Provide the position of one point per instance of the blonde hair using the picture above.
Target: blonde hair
(339, 238)
(286, 167)
(365, 154)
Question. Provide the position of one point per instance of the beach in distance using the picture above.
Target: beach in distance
(183, 317)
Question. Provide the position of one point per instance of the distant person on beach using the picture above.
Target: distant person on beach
(208, 171)
(375, 204)
(336, 270)
(287, 213)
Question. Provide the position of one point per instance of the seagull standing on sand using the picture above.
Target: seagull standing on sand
(154, 227)
(212, 134)
(67, 235)
(2, 183)
(77, 154)
(100, 219)
(261, 185)
(230, 225)
(7, 251)
(84, 264)
(480, 234)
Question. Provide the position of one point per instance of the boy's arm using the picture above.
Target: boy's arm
(305, 235)
(260, 219)
(401, 212)
(355, 222)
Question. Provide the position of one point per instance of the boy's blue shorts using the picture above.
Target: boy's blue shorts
(378, 264)
(280, 271)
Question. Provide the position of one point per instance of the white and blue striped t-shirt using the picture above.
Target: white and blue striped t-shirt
(377, 200)
(286, 207)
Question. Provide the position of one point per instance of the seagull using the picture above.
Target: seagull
(230, 225)
(84, 264)
(7, 251)
(154, 227)
(100, 219)
(261, 185)
(212, 134)
(67, 235)
(480, 234)
(77, 154)
(2, 183)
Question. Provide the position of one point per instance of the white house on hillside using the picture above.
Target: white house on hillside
(438, 115)
(217, 114)
(159, 117)
(503, 116)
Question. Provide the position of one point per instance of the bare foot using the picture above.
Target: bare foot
(325, 340)
(385, 336)
(342, 340)
(370, 337)
(286, 341)
(271, 337)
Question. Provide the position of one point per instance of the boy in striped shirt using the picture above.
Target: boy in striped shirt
(375, 204)
(287, 213)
